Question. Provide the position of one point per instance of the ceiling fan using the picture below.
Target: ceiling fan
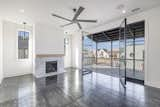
(75, 18)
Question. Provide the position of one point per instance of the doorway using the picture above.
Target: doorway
(101, 51)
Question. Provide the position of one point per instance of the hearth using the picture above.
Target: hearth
(51, 66)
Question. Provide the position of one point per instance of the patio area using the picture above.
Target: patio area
(114, 71)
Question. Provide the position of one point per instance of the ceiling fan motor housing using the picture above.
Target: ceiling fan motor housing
(74, 9)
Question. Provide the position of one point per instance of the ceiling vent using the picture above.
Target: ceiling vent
(121, 6)
(135, 10)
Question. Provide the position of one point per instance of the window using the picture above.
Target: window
(131, 54)
(23, 45)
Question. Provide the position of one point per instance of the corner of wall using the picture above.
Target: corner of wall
(33, 50)
(1, 53)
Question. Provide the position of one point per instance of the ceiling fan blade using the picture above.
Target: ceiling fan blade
(90, 21)
(80, 27)
(79, 11)
(61, 17)
(67, 24)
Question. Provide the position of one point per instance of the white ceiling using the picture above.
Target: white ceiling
(40, 10)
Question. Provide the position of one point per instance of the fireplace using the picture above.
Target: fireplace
(51, 66)
(46, 66)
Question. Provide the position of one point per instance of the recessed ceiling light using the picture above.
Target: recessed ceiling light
(21, 10)
(123, 11)
(121, 6)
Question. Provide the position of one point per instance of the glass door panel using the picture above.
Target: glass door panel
(122, 53)
(122, 62)
(139, 58)
(129, 58)
(88, 54)
(115, 54)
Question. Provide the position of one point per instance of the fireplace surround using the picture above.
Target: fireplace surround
(48, 65)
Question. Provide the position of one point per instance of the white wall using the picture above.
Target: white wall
(49, 40)
(77, 50)
(11, 65)
(152, 38)
(153, 49)
(1, 57)
(68, 50)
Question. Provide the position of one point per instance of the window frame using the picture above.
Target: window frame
(29, 42)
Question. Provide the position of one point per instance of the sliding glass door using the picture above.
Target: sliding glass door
(132, 53)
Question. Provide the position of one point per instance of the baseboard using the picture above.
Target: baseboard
(153, 84)
(15, 75)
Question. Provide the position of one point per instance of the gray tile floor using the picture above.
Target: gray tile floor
(71, 89)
